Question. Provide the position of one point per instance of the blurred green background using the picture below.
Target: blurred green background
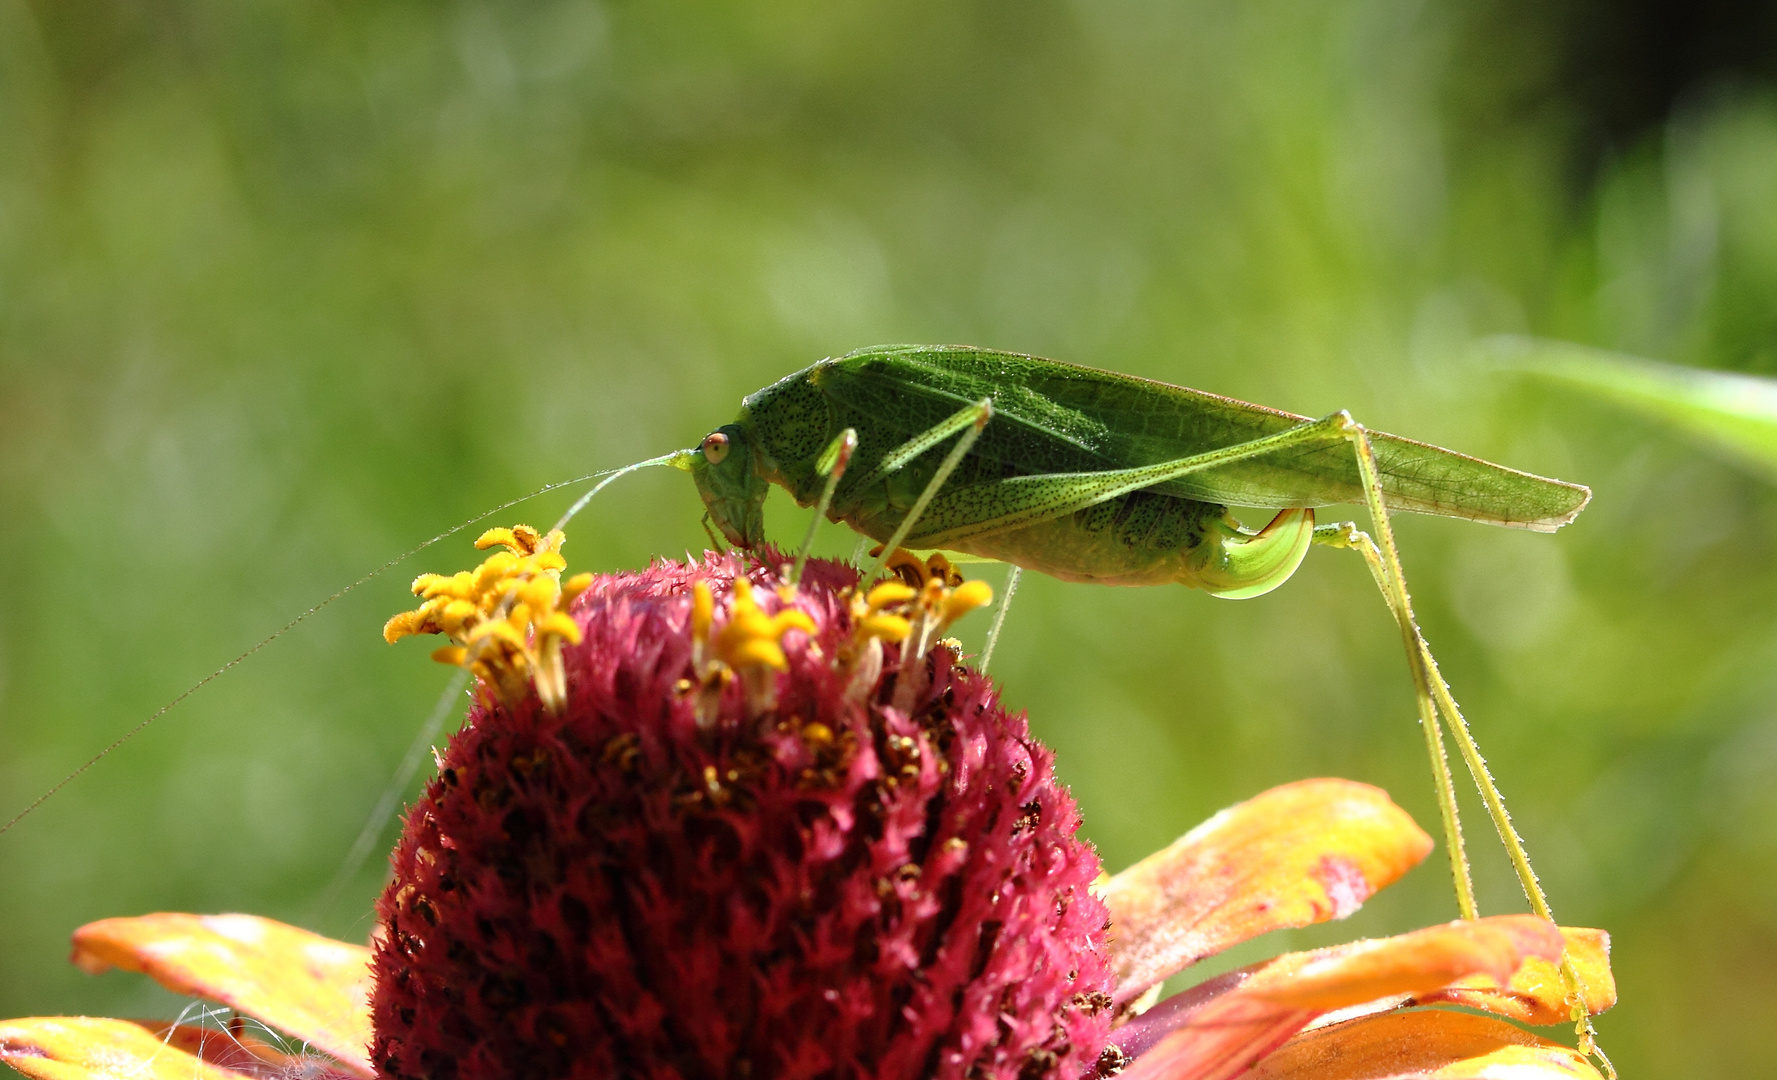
(286, 288)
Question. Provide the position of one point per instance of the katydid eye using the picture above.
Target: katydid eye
(715, 447)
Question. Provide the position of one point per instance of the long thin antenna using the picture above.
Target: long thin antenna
(282, 630)
(580, 503)
(385, 804)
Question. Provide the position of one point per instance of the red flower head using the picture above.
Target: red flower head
(759, 836)
(701, 823)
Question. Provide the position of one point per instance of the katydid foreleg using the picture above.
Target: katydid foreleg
(969, 421)
(999, 617)
(832, 465)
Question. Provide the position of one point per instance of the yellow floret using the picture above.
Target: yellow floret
(504, 617)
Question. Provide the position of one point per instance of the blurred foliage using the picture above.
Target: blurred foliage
(286, 288)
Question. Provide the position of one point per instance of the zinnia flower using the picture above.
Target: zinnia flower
(701, 822)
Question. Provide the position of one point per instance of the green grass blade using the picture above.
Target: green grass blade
(1729, 412)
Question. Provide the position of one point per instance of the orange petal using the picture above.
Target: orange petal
(1423, 960)
(1535, 994)
(1226, 1034)
(307, 986)
(92, 1048)
(1431, 1044)
(1295, 855)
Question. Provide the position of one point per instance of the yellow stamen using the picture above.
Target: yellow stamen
(703, 611)
(887, 627)
(888, 594)
(966, 598)
(400, 626)
(505, 616)
(563, 626)
(574, 586)
(760, 651)
(454, 655)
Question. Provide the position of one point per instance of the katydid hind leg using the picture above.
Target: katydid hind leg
(967, 511)
(1384, 559)
(1387, 571)
(1387, 574)
(1349, 537)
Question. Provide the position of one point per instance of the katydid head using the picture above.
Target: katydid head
(732, 486)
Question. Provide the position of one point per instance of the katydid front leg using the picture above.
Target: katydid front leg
(969, 421)
(999, 617)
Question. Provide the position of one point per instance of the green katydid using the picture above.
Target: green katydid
(1089, 475)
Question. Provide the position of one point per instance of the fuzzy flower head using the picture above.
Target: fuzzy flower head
(704, 823)
(770, 831)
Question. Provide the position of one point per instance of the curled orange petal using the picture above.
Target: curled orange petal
(92, 1048)
(1435, 1044)
(1218, 1036)
(1536, 994)
(1295, 855)
(1418, 962)
(307, 986)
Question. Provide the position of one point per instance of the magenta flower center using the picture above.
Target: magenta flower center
(855, 868)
